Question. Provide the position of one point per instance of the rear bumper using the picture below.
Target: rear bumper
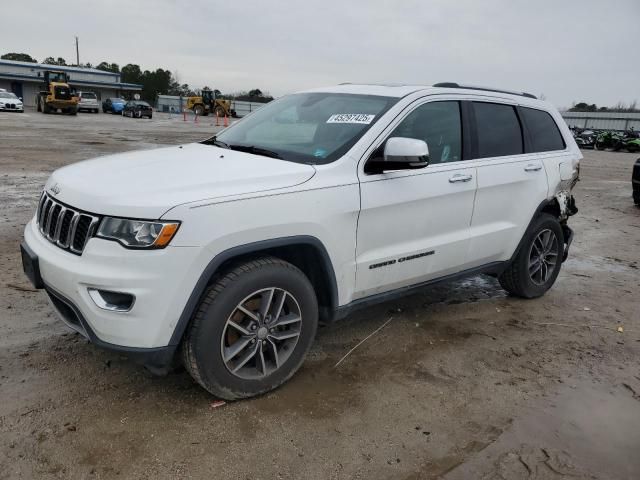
(568, 239)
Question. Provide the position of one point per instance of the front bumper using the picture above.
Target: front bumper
(158, 360)
(9, 108)
(160, 280)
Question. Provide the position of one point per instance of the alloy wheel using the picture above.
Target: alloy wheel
(261, 333)
(543, 256)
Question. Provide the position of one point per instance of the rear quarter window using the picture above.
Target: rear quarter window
(543, 130)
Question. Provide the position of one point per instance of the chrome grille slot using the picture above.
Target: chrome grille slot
(66, 227)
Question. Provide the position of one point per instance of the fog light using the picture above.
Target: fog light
(112, 301)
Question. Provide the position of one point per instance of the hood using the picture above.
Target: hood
(145, 184)
(16, 101)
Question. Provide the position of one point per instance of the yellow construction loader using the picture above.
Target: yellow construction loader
(208, 103)
(56, 94)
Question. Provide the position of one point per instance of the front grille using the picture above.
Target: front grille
(62, 93)
(64, 226)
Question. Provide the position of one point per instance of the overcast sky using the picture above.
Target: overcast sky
(568, 50)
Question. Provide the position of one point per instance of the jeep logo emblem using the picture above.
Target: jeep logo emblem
(55, 189)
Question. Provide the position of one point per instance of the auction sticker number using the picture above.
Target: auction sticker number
(362, 118)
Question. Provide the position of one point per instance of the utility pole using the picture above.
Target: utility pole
(77, 53)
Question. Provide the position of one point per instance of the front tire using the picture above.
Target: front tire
(198, 110)
(537, 264)
(252, 330)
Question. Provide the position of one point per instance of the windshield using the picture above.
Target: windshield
(7, 95)
(314, 128)
(89, 95)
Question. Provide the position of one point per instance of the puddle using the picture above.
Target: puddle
(468, 290)
(586, 431)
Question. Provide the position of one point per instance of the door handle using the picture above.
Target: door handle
(532, 168)
(460, 178)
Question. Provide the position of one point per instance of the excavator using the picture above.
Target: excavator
(56, 94)
(207, 103)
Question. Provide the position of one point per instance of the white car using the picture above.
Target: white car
(229, 252)
(88, 102)
(10, 102)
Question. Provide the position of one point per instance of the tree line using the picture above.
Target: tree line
(154, 82)
(617, 108)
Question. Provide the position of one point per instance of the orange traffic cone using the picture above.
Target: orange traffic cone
(226, 120)
(217, 119)
(184, 115)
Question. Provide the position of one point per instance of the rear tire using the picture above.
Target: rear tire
(528, 276)
(267, 351)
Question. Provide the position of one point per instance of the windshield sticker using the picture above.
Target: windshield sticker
(362, 118)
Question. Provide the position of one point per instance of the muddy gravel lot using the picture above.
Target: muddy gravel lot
(464, 382)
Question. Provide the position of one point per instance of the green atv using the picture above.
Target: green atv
(606, 140)
(631, 145)
(629, 142)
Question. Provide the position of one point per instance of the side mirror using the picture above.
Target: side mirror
(400, 153)
(411, 152)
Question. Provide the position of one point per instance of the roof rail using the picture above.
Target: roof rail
(484, 89)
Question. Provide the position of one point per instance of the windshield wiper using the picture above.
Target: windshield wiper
(256, 150)
(214, 141)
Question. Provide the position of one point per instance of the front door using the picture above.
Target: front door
(414, 224)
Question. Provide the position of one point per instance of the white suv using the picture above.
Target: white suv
(227, 253)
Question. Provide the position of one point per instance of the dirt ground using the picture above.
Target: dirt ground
(463, 383)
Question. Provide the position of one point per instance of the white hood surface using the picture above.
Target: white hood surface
(145, 184)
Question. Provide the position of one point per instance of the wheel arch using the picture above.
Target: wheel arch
(305, 252)
(549, 206)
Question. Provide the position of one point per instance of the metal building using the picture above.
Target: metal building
(602, 120)
(25, 79)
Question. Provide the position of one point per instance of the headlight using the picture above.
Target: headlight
(138, 233)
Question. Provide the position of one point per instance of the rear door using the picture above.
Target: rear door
(511, 183)
(414, 224)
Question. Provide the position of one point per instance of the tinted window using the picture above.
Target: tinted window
(543, 130)
(438, 124)
(499, 131)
